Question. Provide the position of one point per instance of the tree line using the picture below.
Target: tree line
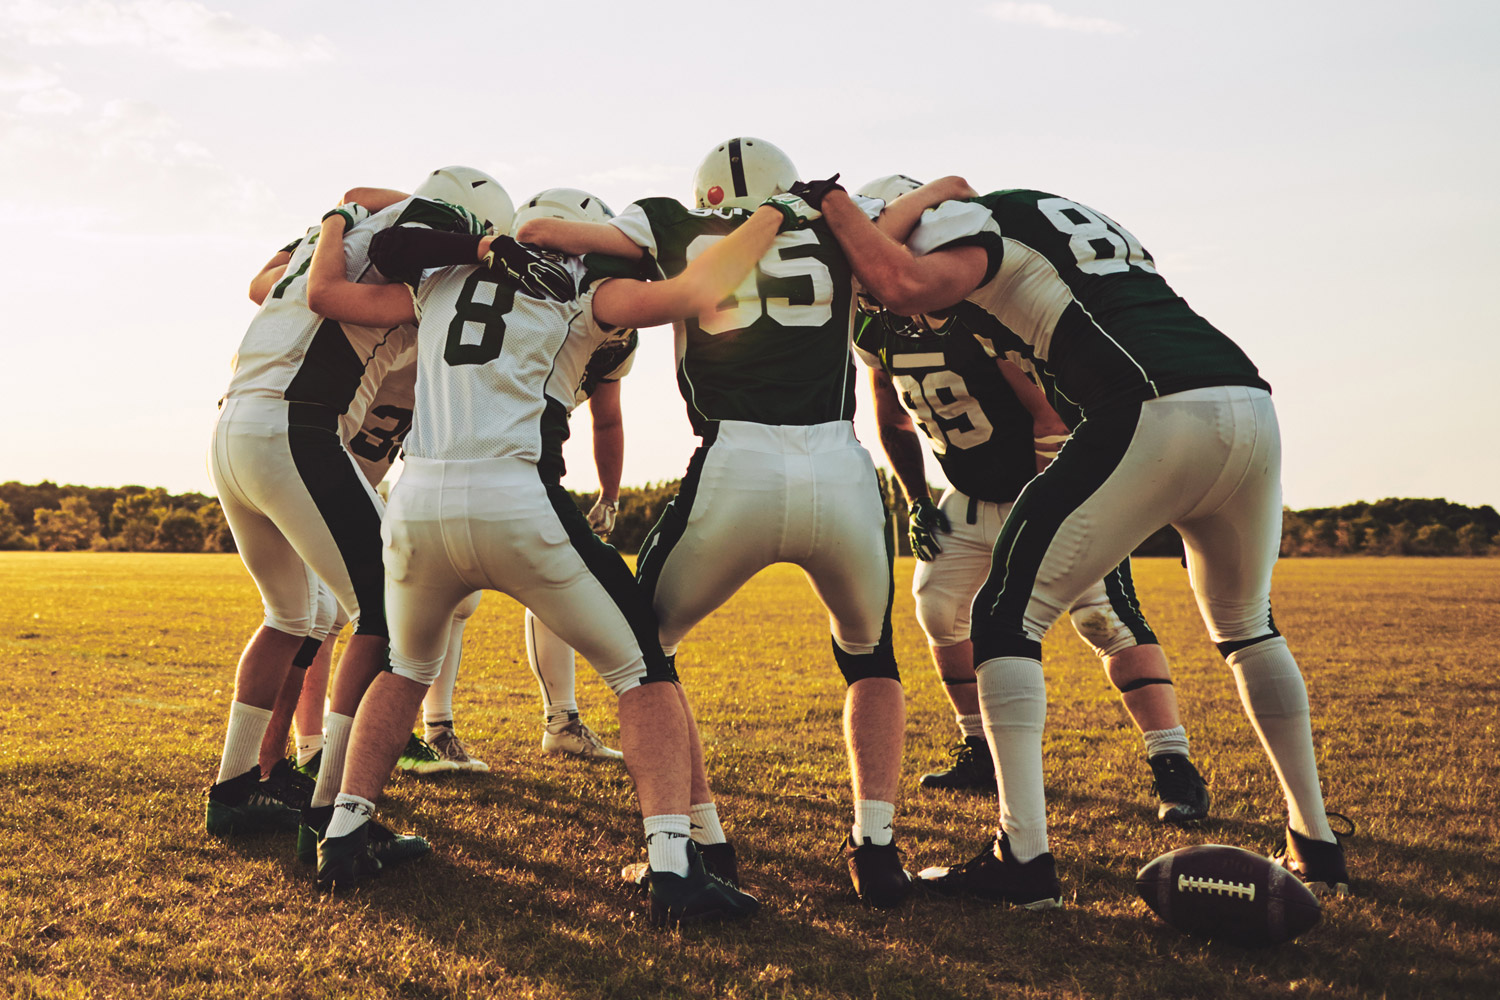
(53, 518)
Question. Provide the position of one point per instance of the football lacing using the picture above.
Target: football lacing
(1243, 890)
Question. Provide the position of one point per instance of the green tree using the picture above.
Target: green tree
(179, 531)
(10, 528)
(134, 518)
(1436, 540)
(216, 534)
(1473, 540)
(74, 525)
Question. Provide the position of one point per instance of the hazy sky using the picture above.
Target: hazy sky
(1318, 179)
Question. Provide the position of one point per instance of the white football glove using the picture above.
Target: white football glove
(601, 516)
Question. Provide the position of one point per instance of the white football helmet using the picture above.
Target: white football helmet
(889, 188)
(562, 203)
(472, 190)
(742, 173)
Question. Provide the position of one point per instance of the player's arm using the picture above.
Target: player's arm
(900, 217)
(903, 446)
(578, 238)
(609, 455)
(331, 294)
(1048, 430)
(266, 278)
(907, 285)
(707, 281)
(373, 198)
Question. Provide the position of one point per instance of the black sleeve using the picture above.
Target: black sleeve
(402, 253)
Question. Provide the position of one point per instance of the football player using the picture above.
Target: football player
(780, 476)
(501, 349)
(297, 505)
(992, 430)
(1178, 428)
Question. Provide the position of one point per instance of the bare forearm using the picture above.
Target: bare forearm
(265, 280)
(904, 449)
(374, 198)
(578, 238)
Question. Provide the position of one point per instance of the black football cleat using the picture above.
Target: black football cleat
(1319, 864)
(1003, 879)
(718, 859)
(244, 804)
(972, 769)
(879, 878)
(1179, 786)
(387, 847)
(291, 785)
(696, 897)
(344, 862)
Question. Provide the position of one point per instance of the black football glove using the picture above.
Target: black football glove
(813, 192)
(539, 273)
(927, 522)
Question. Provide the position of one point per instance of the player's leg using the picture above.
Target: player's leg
(553, 663)
(1109, 488)
(440, 750)
(585, 592)
(239, 466)
(718, 532)
(313, 701)
(1109, 618)
(424, 590)
(944, 589)
(1233, 540)
(847, 555)
(307, 672)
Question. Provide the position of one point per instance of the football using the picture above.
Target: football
(1228, 894)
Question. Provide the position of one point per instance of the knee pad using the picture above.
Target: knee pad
(468, 606)
(877, 661)
(943, 617)
(626, 676)
(422, 673)
(1229, 647)
(1101, 628)
(307, 652)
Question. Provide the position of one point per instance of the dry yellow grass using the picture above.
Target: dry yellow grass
(116, 670)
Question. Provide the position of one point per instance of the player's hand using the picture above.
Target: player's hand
(351, 213)
(794, 208)
(813, 192)
(927, 522)
(602, 516)
(540, 274)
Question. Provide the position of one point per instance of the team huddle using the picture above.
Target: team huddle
(1073, 401)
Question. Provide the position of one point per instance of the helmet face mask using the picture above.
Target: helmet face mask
(934, 324)
(570, 204)
(472, 190)
(742, 173)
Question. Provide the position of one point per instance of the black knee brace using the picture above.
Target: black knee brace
(1235, 645)
(881, 662)
(306, 652)
(1141, 682)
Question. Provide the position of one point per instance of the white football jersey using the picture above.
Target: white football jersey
(291, 353)
(497, 370)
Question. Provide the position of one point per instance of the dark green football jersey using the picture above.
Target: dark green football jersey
(978, 429)
(777, 350)
(1076, 293)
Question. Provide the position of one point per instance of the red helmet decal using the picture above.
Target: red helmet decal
(715, 195)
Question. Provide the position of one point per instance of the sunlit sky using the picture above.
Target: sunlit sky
(1318, 179)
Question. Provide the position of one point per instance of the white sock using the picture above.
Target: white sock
(971, 726)
(308, 748)
(558, 721)
(350, 812)
(1013, 699)
(872, 822)
(1160, 741)
(1275, 698)
(704, 821)
(666, 842)
(247, 727)
(336, 729)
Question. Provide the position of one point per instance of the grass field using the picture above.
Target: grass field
(116, 672)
